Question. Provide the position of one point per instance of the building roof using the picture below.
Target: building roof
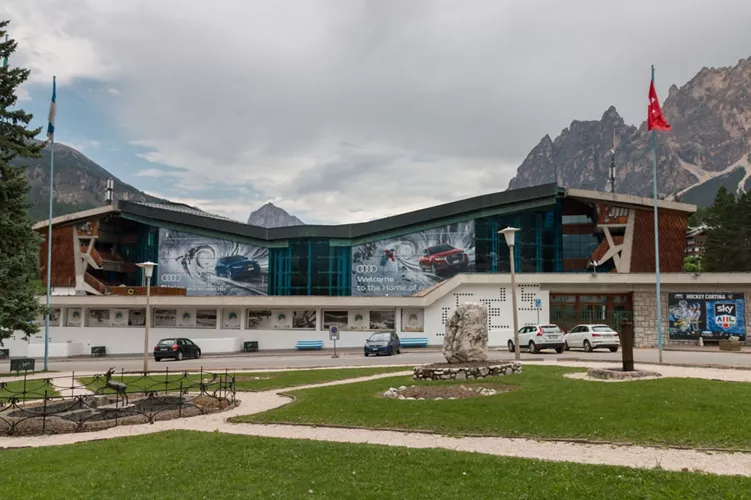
(627, 199)
(189, 219)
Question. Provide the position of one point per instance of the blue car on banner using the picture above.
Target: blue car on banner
(237, 268)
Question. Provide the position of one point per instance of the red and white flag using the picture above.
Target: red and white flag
(655, 119)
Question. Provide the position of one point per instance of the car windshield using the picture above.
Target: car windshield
(167, 342)
(601, 329)
(551, 329)
(380, 337)
(440, 248)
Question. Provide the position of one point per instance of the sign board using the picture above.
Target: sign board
(706, 315)
(538, 303)
(22, 365)
(334, 333)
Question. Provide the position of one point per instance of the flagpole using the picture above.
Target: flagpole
(657, 238)
(49, 250)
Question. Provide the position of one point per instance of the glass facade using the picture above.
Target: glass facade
(310, 267)
(538, 242)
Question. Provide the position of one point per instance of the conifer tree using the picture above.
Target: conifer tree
(722, 252)
(19, 244)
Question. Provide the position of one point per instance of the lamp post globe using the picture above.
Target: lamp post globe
(148, 271)
(510, 234)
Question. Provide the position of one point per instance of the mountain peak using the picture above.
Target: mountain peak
(269, 215)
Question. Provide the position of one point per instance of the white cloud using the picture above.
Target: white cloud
(113, 91)
(346, 110)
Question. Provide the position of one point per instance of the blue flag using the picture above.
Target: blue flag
(53, 112)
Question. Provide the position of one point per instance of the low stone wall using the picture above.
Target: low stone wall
(618, 374)
(468, 371)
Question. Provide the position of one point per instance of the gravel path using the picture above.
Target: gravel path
(629, 456)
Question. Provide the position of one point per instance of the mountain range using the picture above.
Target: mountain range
(79, 183)
(708, 147)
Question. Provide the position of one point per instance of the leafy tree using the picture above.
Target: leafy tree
(19, 244)
(722, 252)
(692, 264)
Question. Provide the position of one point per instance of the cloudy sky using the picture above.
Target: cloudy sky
(347, 110)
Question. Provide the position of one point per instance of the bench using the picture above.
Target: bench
(414, 342)
(309, 344)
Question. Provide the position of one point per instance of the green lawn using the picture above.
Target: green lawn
(255, 381)
(34, 389)
(691, 412)
(192, 465)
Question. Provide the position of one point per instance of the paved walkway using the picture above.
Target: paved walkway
(629, 456)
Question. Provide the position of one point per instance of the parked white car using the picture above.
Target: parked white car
(590, 337)
(537, 337)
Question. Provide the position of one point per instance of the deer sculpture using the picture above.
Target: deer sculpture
(118, 387)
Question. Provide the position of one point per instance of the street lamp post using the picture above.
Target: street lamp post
(148, 271)
(510, 234)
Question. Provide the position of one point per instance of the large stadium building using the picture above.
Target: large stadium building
(581, 256)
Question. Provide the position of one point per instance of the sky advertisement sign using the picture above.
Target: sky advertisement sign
(211, 266)
(407, 264)
(706, 315)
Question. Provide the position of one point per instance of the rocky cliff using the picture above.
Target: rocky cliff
(709, 146)
(270, 215)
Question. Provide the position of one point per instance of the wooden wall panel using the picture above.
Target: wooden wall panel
(672, 226)
(63, 258)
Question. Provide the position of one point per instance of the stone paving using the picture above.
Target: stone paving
(630, 456)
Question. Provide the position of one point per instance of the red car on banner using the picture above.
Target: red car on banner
(444, 259)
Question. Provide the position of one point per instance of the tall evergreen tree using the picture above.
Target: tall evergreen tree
(722, 252)
(19, 244)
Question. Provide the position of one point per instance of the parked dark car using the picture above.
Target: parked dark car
(237, 268)
(383, 343)
(176, 348)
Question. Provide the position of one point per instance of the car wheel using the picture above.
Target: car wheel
(559, 350)
(366, 354)
(587, 346)
(613, 349)
(399, 350)
(434, 269)
(391, 351)
(179, 355)
(565, 346)
(157, 359)
(198, 354)
(510, 346)
(533, 347)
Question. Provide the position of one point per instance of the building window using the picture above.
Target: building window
(339, 319)
(165, 317)
(382, 320)
(206, 318)
(579, 246)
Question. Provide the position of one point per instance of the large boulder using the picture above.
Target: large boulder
(466, 337)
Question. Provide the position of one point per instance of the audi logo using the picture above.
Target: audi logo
(366, 269)
(170, 278)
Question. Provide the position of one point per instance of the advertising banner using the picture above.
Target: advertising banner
(210, 266)
(407, 264)
(707, 315)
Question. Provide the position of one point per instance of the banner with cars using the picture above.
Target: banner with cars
(407, 264)
(211, 266)
(707, 315)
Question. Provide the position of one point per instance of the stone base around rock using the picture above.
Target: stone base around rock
(619, 374)
(471, 371)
